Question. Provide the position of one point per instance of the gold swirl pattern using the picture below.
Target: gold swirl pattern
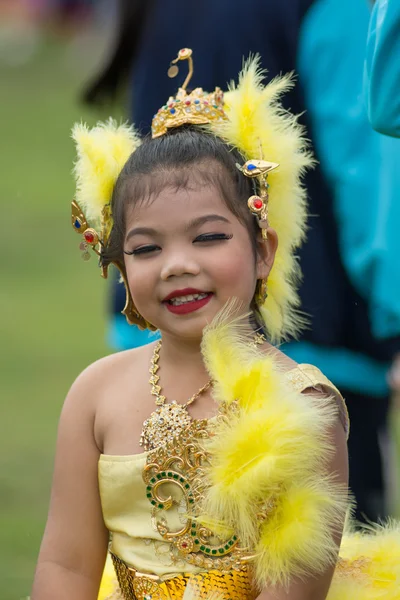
(175, 473)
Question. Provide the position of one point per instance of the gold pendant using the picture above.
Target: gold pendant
(163, 425)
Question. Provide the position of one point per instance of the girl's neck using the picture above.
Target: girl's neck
(185, 353)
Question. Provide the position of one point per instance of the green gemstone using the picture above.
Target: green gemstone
(230, 542)
(234, 538)
(213, 552)
(193, 533)
(181, 480)
(221, 550)
(196, 542)
(227, 547)
(153, 480)
(169, 474)
(159, 476)
(187, 486)
(202, 548)
(148, 488)
(163, 473)
(148, 495)
(161, 506)
(176, 476)
(153, 502)
(208, 550)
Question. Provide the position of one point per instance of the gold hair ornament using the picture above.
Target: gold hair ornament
(195, 108)
(259, 204)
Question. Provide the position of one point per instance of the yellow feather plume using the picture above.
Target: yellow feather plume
(369, 566)
(296, 538)
(255, 461)
(101, 154)
(257, 124)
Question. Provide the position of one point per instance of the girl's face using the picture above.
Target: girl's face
(188, 255)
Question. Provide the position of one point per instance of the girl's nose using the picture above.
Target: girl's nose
(179, 264)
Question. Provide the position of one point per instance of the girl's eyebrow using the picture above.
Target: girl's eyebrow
(205, 219)
(140, 231)
(191, 225)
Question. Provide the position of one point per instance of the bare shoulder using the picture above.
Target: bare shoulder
(108, 377)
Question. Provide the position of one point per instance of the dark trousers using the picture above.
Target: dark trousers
(368, 419)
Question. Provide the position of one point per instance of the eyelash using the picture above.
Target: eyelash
(206, 237)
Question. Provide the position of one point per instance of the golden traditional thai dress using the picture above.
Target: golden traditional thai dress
(149, 506)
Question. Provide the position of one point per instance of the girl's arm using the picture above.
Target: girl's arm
(74, 545)
(316, 588)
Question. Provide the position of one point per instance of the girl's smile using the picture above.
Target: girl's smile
(182, 302)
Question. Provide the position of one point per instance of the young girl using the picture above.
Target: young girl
(217, 465)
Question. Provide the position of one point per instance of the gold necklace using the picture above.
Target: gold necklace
(171, 418)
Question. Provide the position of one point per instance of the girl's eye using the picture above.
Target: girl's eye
(142, 250)
(212, 237)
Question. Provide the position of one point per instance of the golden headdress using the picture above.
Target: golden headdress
(249, 117)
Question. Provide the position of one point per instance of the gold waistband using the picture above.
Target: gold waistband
(232, 585)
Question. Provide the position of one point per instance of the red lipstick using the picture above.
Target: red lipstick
(187, 307)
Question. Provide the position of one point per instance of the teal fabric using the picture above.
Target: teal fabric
(382, 67)
(361, 166)
(347, 370)
(123, 336)
(361, 170)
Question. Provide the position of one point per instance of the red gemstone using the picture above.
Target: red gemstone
(187, 102)
(184, 545)
(205, 102)
(89, 237)
(258, 204)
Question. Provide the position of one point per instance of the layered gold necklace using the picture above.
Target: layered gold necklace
(171, 418)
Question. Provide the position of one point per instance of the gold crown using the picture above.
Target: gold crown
(196, 108)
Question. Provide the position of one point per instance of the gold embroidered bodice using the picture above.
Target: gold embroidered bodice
(146, 499)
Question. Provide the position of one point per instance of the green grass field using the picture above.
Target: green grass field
(52, 303)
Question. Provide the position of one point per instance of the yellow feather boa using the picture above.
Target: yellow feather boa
(270, 456)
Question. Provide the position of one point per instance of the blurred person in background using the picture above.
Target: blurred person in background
(382, 67)
(382, 88)
(352, 195)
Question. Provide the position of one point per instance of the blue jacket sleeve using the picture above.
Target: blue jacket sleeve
(382, 68)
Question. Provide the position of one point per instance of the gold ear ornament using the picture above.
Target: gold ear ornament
(261, 293)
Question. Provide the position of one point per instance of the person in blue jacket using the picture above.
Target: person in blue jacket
(353, 333)
(382, 67)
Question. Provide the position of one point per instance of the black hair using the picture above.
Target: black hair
(169, 161)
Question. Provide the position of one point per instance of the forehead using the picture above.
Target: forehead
(176, 206)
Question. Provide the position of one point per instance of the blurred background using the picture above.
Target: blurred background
(52, 303)
(56, 312)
